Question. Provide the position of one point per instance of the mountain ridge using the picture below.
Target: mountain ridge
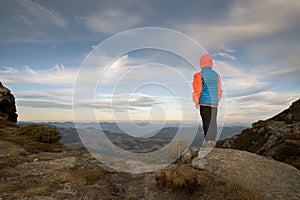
(277, 137)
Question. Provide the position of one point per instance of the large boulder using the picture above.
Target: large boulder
(271, 178)
(7, 105)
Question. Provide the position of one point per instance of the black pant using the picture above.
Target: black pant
(209, 121)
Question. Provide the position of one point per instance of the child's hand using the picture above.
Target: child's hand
(197, 106)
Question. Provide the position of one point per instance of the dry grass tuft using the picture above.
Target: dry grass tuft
(183, 176)
(202, 183)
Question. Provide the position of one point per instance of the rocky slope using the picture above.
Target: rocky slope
(277, 137)
(35, 170)
(7, 105)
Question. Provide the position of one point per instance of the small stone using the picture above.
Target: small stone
(35, 160)
(189, 154)
(199, 163)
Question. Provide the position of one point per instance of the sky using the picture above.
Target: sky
(254, 44)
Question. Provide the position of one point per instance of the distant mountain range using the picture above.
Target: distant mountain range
(147, 143)
(154, 137)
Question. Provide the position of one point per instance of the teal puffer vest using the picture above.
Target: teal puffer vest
(209, 94)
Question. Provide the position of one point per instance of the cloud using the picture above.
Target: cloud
(115, 70)
(28, 21)
(244, 21)
(43, 104)
(110, 20)
(239, 82)
(29, 70)
(9, 70)
(144, 100)
(214, 36)
(289, 66)
(258, 106)
(283, 72)
(132, 100)
(279, 16)
(225, 53)
(34, 13)
(132, 70)
(59, 67)
(56, 75)
(137, 106)
(122, 103)
(289, 74)
(267, 98)
(62, 94)
(61, 99)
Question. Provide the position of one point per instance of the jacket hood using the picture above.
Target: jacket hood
(206, 60)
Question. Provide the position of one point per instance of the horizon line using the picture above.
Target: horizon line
(108, 121)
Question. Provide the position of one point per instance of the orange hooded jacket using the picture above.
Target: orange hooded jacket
(205, 61)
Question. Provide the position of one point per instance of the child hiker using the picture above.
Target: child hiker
(206, 96)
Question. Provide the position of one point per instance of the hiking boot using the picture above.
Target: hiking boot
(206, 147)
(210, 144)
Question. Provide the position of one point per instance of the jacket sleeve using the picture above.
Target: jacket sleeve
(220, 91)
(197, 86)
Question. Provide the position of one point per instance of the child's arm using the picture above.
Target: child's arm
(197, 86)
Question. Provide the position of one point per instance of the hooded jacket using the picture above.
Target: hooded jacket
(207, 84)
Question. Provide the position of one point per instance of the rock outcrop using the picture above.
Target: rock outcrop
(7, 105)
(277, 137)
(273, 179)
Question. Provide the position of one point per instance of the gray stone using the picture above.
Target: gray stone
(199, 163)
(7, 105)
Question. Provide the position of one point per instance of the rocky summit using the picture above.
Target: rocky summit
(34, 165)
(38, 170)
(7, 105)
(277, 137)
